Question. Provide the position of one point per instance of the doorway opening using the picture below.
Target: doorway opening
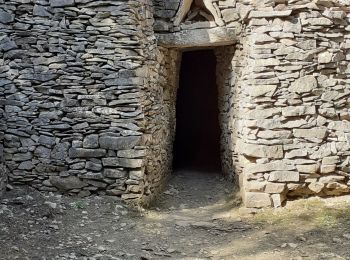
(197, 137)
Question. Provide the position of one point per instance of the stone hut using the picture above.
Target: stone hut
(88, 94)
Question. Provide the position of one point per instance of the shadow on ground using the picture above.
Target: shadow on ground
(196, 218)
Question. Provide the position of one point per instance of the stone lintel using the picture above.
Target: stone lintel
(198, 38)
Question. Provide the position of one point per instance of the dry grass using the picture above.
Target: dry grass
(311, 212)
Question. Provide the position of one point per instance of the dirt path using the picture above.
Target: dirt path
(195, 218)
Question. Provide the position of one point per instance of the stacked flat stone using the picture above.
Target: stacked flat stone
(285, 101)
(88, 98)
(73, 80)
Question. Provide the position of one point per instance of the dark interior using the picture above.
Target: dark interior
(197, 140)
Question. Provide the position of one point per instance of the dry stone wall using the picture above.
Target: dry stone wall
(160, 119)
(3, 172)
(294, 135)
(285, 102)
(88, 98)
(73, 79)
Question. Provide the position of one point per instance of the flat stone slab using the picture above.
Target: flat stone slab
(198, 38)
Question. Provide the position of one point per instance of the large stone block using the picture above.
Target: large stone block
(119, 143)
(316, 187)
(6, 17)
(284, 176)
(91, 141)
(86, 153)
(61, 3)
(304, 84)
(122, 162)
(115, 173)
(67, 183)
(343, 126)
(278, 199)
(308, 168)
(319, 133)
(60, 151)
(256, 200)
(268, 167)
(272, 187)
(260, 151)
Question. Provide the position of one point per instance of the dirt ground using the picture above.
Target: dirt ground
(197, 217)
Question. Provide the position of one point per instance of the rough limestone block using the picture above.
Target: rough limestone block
(132, 153)
(122, 162)
(292, 111)
(308, 168)
(254, 186)
(200, 37)
(278, 199)
(86, 153)
(61, 3)
(319, 133)
(342, 126)
(41, 11)
(304, 84)
(114, 173)
(325, 169)
(6, 17)
(272, 187)
(91, 141)
(268, 167)
(261, 90)
(269, 14)
(119, 143)
(316, 187)
(331, 178)
(322, 21)
(67, 183)
(260, 151)
(330, 160)
(284, 176)
(256, 200)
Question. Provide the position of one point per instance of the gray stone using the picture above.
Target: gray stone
(91, 141)
(6, 17)
(40, 10)
(47, 140)
(7, 44)
(119, 143)
(67, 183)
(60, 151)
(93, 166)
(131, 153)
(27, 165)
(61, 3)
(42, 152)
(86, 153)
(122, 162)
(19, 157)
(114, 173)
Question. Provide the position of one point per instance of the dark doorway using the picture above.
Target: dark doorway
(197, 140)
